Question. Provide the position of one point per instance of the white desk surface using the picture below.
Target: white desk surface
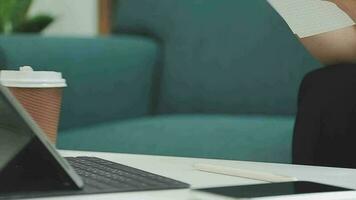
(181, 169)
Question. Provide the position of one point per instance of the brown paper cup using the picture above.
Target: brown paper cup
(40, 93)
(44, 106)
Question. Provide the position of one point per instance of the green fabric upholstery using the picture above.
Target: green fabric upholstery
(220, 56)
(257, 138)
(108, 78)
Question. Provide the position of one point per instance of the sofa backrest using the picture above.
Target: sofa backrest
(220, 56)
(105, 83)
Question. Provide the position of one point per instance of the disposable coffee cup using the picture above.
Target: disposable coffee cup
(40, 93)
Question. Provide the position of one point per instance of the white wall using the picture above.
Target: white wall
(72, 17)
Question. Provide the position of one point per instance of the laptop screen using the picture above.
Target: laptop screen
(26, 163)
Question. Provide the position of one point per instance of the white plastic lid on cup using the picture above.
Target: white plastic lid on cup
(27, 78)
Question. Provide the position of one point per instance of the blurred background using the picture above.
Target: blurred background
(199, 78)
(79, 17)
(58, 18)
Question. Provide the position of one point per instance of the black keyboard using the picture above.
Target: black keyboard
(106, 176)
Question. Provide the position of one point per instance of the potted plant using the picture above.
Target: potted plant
(14, 18)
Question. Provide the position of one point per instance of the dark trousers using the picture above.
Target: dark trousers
(325, 128)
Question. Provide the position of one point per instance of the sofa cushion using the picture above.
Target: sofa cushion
(221, 56)
(256, 138)
(108, 78)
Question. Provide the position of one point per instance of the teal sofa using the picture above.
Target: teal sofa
(199, 78)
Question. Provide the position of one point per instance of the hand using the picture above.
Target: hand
(348, 6)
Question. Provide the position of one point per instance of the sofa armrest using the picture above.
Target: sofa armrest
(108, 78)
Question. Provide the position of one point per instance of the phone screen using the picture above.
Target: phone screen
(273, 189)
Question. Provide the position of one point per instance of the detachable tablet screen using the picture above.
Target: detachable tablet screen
(26, 164)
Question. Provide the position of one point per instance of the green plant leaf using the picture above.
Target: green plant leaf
(20, 11)
(7, 7)
(34, 25)
(13, 17)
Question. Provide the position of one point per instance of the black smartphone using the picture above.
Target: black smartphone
(274, 190)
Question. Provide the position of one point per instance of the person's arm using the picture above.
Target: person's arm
(333, 47)
(337, 46)
(348, 6)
